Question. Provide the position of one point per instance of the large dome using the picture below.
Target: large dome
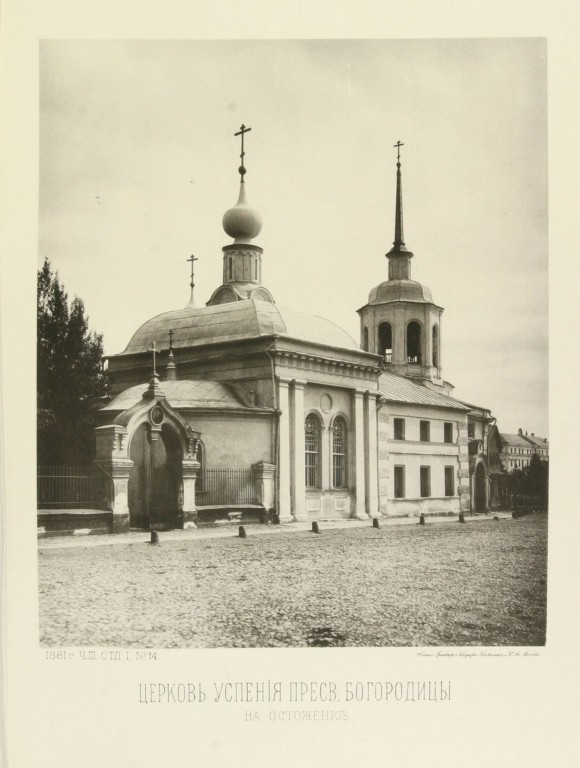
(400, 290)
(199, 326)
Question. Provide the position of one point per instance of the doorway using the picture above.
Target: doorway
(480, 494)
(155, 479)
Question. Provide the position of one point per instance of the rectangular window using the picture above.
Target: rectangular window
(470, 429)
(399, 482)
(449, 481)
(399, 429)
(425, 481)
(425, 431)
(448, 432)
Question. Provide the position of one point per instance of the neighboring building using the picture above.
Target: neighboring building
(285, 409)
(541, 446)
(517, 450)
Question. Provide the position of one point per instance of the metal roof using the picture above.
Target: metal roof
(197, 326)
(400, 290)
(514, 439)
(541, 442)
(403, 390)
(181, 394)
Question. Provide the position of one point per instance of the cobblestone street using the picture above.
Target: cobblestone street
(443, 584)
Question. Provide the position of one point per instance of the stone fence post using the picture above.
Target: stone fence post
(264, 479)
(189, 469)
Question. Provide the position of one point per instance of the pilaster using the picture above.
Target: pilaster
(359, 503)
(372, 501)
(284, 451)
(298, 494)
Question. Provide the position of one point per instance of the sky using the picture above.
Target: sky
(138, 163)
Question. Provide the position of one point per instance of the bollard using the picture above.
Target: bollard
(242, 532)
(376, 522)
(461, 518)
(154, 538)
(315, 528)
(421, 519)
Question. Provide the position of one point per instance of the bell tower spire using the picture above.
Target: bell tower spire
(399, 257)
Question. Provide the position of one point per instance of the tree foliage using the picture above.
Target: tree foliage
(531, 482)
(70, 380)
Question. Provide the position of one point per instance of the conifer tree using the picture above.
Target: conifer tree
(70, 381)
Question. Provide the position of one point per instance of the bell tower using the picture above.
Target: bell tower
(401, 322)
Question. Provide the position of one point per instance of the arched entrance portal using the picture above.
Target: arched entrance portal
(480, 494)
(155, 480)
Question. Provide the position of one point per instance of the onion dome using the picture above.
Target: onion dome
(242, 222)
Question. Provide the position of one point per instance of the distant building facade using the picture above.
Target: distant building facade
(517, 450)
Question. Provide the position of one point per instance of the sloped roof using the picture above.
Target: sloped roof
(519, 440)
(182, 394)
(400, 290)
(403, 390)
(197, 326)
(541, 442)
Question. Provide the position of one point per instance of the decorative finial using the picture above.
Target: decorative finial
(152, 349)
(191, 259)
(171, 369)
(154, 389)
(241, 132)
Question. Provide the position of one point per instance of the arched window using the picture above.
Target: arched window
(436, 346)
(339, 444)
(414, 342)
(386, 341)
(312, 451)
(366, 339)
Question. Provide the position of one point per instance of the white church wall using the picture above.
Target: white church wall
(233, 440)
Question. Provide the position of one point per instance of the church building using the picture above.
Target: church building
(246, 409)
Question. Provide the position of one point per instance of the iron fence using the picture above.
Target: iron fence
(226, 486)
(70, 487)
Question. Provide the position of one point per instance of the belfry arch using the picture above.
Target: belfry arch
(385, 341)
(414, 342)
(435, 344)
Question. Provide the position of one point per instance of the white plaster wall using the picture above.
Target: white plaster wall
(234, 441)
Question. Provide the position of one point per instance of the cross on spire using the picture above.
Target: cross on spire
(241, 133)
(398, 145)
(192, 259)
(151, 348)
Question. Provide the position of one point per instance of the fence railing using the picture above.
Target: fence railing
(83, 487)
(226, 486)
(70, 487)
